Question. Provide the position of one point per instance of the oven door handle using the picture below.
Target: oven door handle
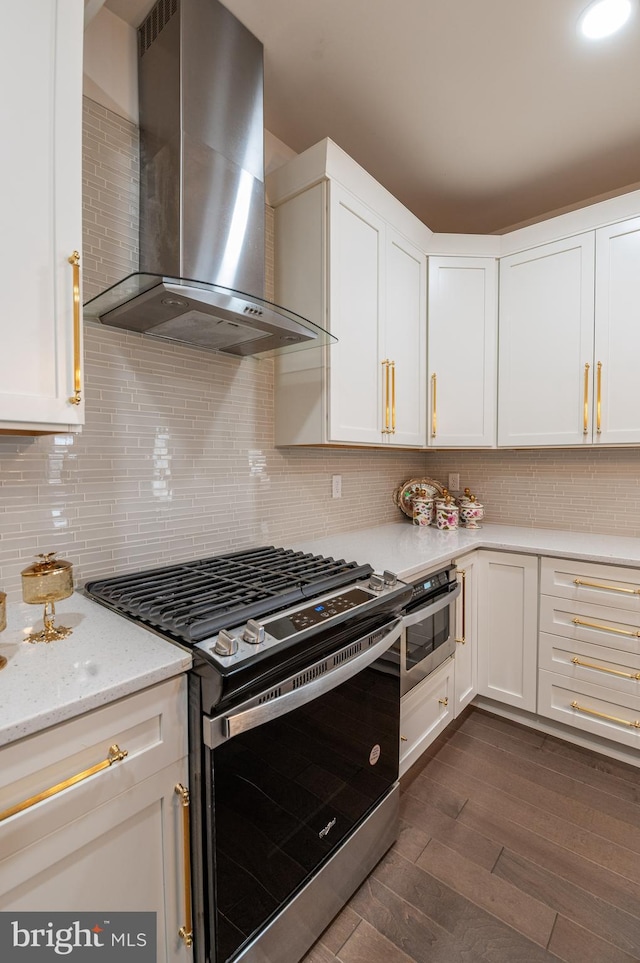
(419, 615)
(219, 729)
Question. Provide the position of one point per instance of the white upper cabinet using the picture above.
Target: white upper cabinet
(616, 415)
(41, 177)
(546, 344)
(350, 258)
(461, 354)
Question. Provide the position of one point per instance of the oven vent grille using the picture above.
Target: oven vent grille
(268, 696)
(313, 673)
(347, 654)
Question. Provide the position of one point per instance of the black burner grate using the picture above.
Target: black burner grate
(193, 600)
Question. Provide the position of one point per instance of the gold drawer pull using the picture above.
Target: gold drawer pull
(392, 365)
(444, 702)
(602, 715)
(74, 261)
(463, 575)
(403, 739)
(610, 588)
(607, 628)
(185, 932)
(601, 668)
(115, 755)
(434, 416)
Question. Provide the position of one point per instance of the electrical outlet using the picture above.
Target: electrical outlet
(336, 486)
(454, 482)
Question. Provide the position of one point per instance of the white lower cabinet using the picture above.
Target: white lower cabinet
(113, 840)
(589, 654)
(508, 628)
(424, 712)
(466, 657)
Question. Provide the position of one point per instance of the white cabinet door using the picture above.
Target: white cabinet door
(356, 258)
(616, 417)
(463, 319)
(466, 657)
(508, 628)
(545, 387)
(41, 178)
(404, 339)
(123, 855)
(425, 711)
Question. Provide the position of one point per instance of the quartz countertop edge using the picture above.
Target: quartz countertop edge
(408, 550)
(105, 658)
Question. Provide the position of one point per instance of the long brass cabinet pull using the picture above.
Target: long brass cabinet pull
(602, 715)
(463, 575)
(610, 588)
(602, 668)
(585, 427)
(387, 403)
(392, 365)
(607, 628)
(434, 416)
(74, 261)
(186, 932)
(115, 754)
(599, 400)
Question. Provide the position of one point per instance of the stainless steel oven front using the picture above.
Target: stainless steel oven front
(429, 626)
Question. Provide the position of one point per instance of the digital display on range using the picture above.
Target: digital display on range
(288, 625)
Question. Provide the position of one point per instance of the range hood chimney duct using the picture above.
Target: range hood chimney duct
(202, 194)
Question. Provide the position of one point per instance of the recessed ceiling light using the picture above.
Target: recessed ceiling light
(604, 17)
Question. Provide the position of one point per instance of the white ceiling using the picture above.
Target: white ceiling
(476, 114)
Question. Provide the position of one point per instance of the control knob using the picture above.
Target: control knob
(376, 582)
(226, 644)
(389, 579)
(253, 632)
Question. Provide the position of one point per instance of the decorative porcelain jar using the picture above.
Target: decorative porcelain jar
(471, 513)
(446, 514)
(423, 509)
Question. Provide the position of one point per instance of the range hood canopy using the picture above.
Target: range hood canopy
(202, 201)
(203, 315)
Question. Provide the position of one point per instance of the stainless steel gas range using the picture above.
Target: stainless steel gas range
(294, 733)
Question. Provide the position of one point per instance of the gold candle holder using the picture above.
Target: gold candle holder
(45, 583)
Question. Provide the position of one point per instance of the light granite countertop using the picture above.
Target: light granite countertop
(105, 658)
(407, 549)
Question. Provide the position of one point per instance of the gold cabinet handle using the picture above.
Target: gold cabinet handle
(403, 739)
(463, 575)
(602, 668)
(602, 715)
(392, 365)
(186, 932)
(386, 404)
(599, 400)
(585, 427)
(115, 754)
(74, 261)
(610, 588)
(607, 628)
(444, 702)
(434, 416)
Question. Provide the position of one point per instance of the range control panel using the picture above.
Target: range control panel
(288, 625)
(432, 584)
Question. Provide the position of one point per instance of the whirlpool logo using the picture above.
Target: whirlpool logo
(84, 936)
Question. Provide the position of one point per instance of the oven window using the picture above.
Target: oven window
(426, 636)
(287, 793)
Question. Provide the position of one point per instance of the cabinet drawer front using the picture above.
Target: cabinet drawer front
(590, 582)
(592, 708)
(598, 624)
(424, 712)
(149, 726)
(591, 663)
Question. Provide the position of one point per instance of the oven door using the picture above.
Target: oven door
(293, 771)
(428, 638)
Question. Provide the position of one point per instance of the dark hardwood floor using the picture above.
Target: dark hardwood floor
(514, 847)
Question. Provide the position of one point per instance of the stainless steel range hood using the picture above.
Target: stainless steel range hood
(201, 191)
